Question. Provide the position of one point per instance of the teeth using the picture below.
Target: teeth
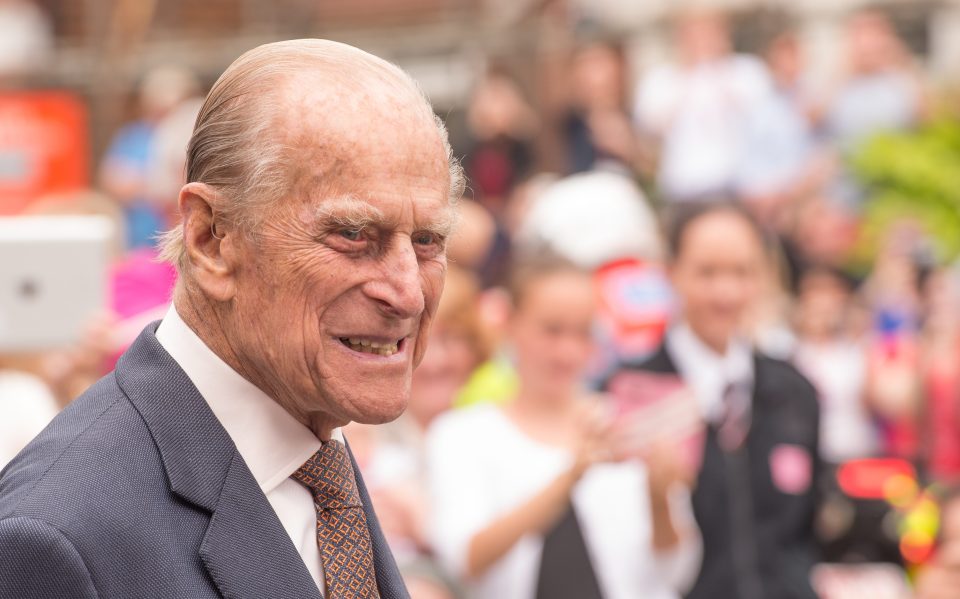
(372, 347)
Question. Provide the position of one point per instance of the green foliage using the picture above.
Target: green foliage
(912, 176)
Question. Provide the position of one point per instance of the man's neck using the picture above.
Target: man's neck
(207, 322)
(717, 346)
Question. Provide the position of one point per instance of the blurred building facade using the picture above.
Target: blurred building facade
(102, 48)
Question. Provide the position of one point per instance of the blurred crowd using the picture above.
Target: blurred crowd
(715, 205)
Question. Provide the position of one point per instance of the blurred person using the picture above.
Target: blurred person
(754, 498)
(524, 196)
(26, 39)
(481, 244)
(597, 127)
(697, 109)
(939, 578)
(879, 91)
(540, 497)
(602, 221)
(392, 457)
(502, 125)
(126, 166)
(781, 160)
(892, 293)
(474, 241)
(210, 462)
(767, 325)
(941, 374)
(836, 365)
(820, 234)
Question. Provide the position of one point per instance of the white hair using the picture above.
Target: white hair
(235, 148)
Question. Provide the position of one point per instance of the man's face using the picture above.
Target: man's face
(336, 292)
(717, 274)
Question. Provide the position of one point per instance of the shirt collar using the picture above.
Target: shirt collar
(707, 372)
(271, 441)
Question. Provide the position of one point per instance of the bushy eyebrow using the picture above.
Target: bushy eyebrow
(351, 213)
(444, 224)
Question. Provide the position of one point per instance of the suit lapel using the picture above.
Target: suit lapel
(389, 581)
(244, 524)
(245, 549)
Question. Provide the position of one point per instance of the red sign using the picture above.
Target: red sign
(635, 305)
(43, 147)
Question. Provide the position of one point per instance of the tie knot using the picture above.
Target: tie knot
(329, 476)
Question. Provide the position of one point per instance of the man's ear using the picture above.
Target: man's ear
(211, 246)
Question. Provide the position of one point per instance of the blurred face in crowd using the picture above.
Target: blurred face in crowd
(717, 273)
(785, 60)
(597, 78)
(497, 108)
(327, 306)
(551, 330)
(453, 351)
(702, 37)
(821, 306)
(872, 44)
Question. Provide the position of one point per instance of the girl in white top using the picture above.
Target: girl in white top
(501, 477)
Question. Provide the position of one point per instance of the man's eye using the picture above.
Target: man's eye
(352, 234)
(426, 239)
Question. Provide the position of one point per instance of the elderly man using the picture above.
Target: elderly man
(311, 259)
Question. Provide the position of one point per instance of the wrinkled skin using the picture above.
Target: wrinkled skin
(356, 250)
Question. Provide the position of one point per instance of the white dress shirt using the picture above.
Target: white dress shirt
(481, 465)
(271, 441)
(707, 372)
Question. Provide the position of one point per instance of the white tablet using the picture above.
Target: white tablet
(53, 279)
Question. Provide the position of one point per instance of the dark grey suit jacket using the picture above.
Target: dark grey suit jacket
(136, 490)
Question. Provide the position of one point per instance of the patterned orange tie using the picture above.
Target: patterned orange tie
(342, 533)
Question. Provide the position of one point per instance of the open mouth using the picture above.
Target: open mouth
(367, 346)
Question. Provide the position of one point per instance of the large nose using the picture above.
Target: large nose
(398, 290)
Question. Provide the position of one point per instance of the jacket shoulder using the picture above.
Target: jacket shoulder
(780, 383)
(94, 435)
(785, 375)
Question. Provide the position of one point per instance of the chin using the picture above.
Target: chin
(379, 417)
(378, 410)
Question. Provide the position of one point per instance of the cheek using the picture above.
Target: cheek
(432, 277)
(697, 297)
(576, 352)
(527, 341)
(742, 292)
(431, 284)
(586, 348)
